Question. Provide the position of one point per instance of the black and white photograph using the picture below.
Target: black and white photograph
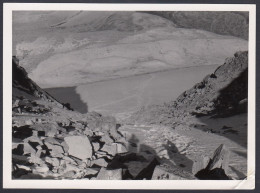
(138, 94)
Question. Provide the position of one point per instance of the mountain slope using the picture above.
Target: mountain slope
(61, 49)
(23, 85)
(222, 93)
(226, 23)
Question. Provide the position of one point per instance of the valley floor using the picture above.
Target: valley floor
(120, 97)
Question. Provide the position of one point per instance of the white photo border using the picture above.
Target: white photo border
(8, 182)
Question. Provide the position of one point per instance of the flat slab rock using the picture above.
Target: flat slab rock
(79, 146)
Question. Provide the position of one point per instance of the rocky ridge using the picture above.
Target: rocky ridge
(220, 94)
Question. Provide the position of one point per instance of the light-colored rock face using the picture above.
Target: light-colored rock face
(79, 146)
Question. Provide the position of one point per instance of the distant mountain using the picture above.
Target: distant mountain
(220, 22)
(71, 48)
(220, 94)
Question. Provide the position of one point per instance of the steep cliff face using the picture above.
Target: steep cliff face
(23, 85)
(222, 93)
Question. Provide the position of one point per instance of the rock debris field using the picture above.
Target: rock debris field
(51, 141)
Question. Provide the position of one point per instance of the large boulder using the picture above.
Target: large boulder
(220, 158)
(200, 163)
(217, 166)
(79, 146)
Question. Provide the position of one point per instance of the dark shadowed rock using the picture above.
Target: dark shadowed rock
(147, 172)
(215, 174)
(22, 132)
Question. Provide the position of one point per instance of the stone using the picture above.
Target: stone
(40, 153)
(79, 126)
(36, 160)
(41, 169)
(69, 160)
(91, 171)
(23, 167)
(105, 174)
(100, 162)
(22, 132)
(55, 150)
(69, 174)
(110, 149)
(88, 132)
(217, 166)
(120, 148)
(65, 146)
(53, 161)
(33, 139)
(147, 172)
(220, 158)
(29, 122)
(107, 139)
(71, 167)
(200, 163)
(18, 150)
(52, 140)
(99, 133)
(114, 148)
(160, 174)
(79, 146)
(163, 154)
(96, 146)
(28, 149)
(20, 159)
(215, 174)
(52, 132)
(169, 172)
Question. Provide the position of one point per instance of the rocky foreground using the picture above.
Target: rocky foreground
(52, 142)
